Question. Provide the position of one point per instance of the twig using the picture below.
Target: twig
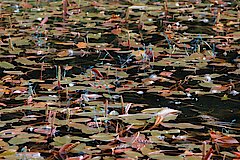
(204, 150)
(106, 108)
(166, 8)
(122, 104)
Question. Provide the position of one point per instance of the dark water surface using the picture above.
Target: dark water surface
(181, 55)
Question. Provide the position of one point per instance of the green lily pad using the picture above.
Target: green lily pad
(6, 65)
(18, 140)
(81, 139)
(122, 74)
(9, 152)
(165, 157)
(79, 148)
(14, 72)
(64, 58)
(94, 36)
(46, 98)
(59, 141)
(182, 125)
(136, 116)
(85, 129)
(75, 88)
(25, 61)
(104, 137)
(133, 154)
(157, 132)
(15, 51)
(228, 154)
(208, 84)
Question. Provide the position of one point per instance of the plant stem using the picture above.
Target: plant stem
(204, 150)
(122, 104)
(166, 8)
(106, 108)
(41, 73)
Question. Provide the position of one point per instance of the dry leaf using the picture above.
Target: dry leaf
(81, 45)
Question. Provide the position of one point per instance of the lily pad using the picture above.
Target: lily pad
(25, 61)
(133, 154)
(104, 137)
(6, 65)
(182, 125)
(59, 141)
(165, 157)
(18, 140)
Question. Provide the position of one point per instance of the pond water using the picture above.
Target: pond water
(119, 79)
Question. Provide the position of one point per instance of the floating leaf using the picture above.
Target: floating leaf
(133, 154)
(14, 72)
(18, 140)
(208, 84)
(104, 137)
(157, 133)
(79, 148)
(9, 152)
(15, 51)
(63, 53)
(63, 58)
(218, 137)
(29, 155)
(165, 157)
(6, 65)
(25, 61)
(59, 141)
(182, 125)
(46, 98)
(85, 129)
(228, 154)
(94, 36)
(225, 97)
(237, 71)
(81, 45)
